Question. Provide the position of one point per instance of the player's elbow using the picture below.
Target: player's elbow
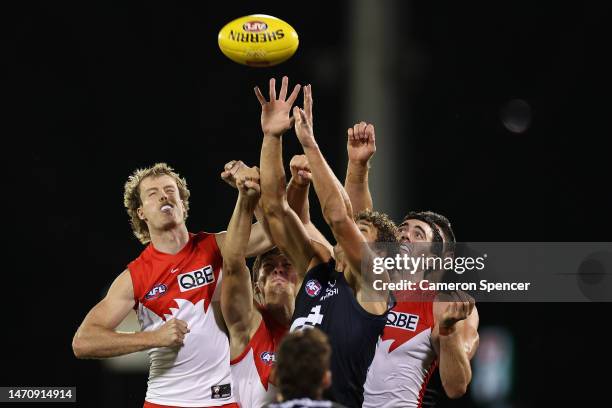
(455, 392)
(275, 208)
(456, 389)
(79, 347)
(337, 218)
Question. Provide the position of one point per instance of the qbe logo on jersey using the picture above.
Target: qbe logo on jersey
(405, 321)
(196, 279)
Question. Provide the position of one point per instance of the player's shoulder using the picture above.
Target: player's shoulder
(207, 241)
(204, 237)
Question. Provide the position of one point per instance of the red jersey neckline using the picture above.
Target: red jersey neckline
(155, 252)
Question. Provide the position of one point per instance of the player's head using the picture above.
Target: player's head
(428, 226)
(302, 365)
(155, 198)
(274, 277)
(375, 227)
(444, 226)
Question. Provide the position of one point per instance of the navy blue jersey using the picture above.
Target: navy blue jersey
(327, 302)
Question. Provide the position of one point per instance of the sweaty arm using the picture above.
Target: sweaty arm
(335, 204)
(297, 197)
(239, 312)
(455, 344)
(97, 338)
(361, 146)
(259, 241)
(286, 229)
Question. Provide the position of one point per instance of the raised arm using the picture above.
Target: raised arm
(287, 231)
(361, 146)
(259, 240)
(334, 201)
(299, 187)
(455, 338)
(239, 312)
(97, 338)
(297, 196)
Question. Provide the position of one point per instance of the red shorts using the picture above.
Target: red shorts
(152, 405)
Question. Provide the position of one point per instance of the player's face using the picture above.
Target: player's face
(368, 230)
(411, 231)
(162, 207)
(278, 275)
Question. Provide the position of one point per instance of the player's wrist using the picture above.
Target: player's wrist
(273, 134)
(447, 330)
(309, 144)
(293, 182)
(359, 168)
(151, 339)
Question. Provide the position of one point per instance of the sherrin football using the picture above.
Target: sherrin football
(258, 40)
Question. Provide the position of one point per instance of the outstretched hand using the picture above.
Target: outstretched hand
(275, 118)
(303, 120)
(361, 143)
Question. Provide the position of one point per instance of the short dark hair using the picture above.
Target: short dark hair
(444, 224)
(302, 360)
(435, 221)
(385, 227)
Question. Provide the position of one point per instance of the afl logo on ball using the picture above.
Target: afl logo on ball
(313, 287)
(254, 26)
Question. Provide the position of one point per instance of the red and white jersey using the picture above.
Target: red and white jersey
(251, 369)
(404, 360)
(182, 286)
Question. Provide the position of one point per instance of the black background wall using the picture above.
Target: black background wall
(93, 90)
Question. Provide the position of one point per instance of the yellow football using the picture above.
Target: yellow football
(258, 40)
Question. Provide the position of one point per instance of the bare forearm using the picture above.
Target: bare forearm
(297, 197)
(100, 342)
(273, 182)
(238, 232)
(334, 202)
(357, 186)
(455, 370)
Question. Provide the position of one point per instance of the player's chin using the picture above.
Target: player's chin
(169, 223)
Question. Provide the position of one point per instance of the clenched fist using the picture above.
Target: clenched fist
(458, 306)
(300, 170)
(361, 143)
(247, 182)
(172, 333)
(230, 171)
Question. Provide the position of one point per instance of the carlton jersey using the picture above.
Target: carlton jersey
(182, 286)
(326, 301)
(251, 369)
(405, 358)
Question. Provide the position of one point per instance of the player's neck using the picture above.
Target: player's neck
(170, 241)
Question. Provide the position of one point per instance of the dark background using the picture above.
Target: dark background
(97, 89)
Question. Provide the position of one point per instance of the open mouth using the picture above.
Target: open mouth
(166, 208)
(405, 247)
